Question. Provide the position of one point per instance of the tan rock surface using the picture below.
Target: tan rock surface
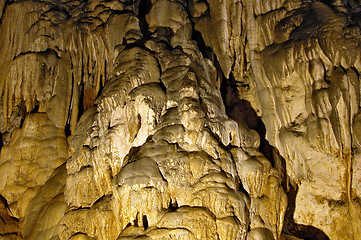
(165, 119)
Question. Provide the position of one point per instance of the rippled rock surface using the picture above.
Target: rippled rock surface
(175, 119)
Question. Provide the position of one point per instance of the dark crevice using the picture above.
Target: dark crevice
(1, 141)
(241, 188)
(7, 2)
(131, 156)
(173, 205)
(80, 90)
(145, 222)
(67, 130)
(144, 8)
(103, 80)
(239, 109)
(35, 108)
(46, 52)
(22, 113)
(4, 201)
(22, 122)
(101, 199)
(85, 167)
(163, 35)
(242, 111)
(289, 223)
(206, 51)
(305, 232)
(136, 220)
(267, 150)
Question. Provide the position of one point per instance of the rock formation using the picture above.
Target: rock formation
(175, 119)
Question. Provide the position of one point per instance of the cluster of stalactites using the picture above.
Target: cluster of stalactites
(158, 132)
(66, 58)
(153, 154)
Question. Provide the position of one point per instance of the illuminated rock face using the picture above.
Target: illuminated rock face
(172, 119)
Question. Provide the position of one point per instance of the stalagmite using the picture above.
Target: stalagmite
(177, 119)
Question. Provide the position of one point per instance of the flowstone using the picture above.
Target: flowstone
(177, 119)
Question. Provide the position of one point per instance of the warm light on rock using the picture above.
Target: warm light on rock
(184, 120)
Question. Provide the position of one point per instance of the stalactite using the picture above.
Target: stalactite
(165, 119)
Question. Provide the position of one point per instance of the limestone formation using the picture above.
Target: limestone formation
(175, 119)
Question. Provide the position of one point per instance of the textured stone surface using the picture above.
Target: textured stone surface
(165, 119)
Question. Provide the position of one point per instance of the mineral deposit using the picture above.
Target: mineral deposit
(180, 119)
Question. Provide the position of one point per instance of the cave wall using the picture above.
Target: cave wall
(167, 119)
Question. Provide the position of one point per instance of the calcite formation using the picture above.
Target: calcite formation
(175, 119)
